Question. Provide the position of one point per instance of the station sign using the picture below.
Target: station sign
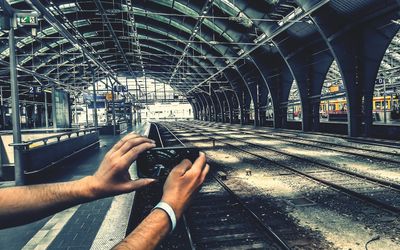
(120, 88)
(28, 20)
(88, 98)
(334, 88)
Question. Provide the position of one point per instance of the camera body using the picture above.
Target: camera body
(157, 163)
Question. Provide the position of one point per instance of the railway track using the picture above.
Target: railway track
(382, 194)
(206, 222)
(385, 156)
(358, 140)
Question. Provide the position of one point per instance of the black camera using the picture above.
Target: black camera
(157, 163)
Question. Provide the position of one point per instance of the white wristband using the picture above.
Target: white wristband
(168, 209)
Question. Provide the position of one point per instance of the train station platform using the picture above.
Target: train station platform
(97, 225)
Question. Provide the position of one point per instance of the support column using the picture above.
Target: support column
(53, 109)
(76, 109)
(87, 115)
(2, 127)
(17, 139)
(95, 121)
(3, 110)
(46, 110)
(113, 109)
(357, 62)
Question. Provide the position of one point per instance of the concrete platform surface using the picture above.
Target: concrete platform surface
(97, 225)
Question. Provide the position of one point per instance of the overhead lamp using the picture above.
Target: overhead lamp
(213, 42)
(258, 39)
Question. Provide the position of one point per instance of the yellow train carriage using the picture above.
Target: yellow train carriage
(339, 107)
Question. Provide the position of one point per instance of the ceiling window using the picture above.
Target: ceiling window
(81, 23)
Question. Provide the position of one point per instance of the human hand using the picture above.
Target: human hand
(112, 177)
(182, 183)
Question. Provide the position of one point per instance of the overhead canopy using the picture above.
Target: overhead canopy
(185, 43)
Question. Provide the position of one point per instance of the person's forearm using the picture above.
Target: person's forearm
(149, 233)
(21, 205)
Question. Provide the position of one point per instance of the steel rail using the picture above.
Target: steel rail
(259, 221)
(183, 144)
(187, 229)
(349, 192)
(256, 218)
(159, 134)
(376, 142)
(381, 182)
(317, 146)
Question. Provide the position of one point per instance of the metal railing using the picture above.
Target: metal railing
(53, 139)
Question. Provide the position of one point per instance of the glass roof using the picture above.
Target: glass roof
(88, 25)
(184, 10)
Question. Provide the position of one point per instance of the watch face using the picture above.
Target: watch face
(158, 162)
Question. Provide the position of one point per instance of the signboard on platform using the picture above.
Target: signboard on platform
(89, 98)
(100, 101)
(334, 88)
(120, 88)
(62, 109)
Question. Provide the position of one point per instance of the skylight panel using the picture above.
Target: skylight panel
(108, 56)
(27, 59)
(20, 45)
(90, 34)
(44, 49)
(180, 26)
(186, 10)
(53, 45)
(49, 31)
(62, 41)
(96, 43)
(6, 52)
(69, 8)
(227, 6)
(54, 57)
(81, 23)
(27, 40)
(14, 1)
(102, 50)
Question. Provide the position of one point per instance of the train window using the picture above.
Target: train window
(378, 105)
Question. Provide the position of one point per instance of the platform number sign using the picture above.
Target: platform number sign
(28, 20)
(381, 81)
(35, 90)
